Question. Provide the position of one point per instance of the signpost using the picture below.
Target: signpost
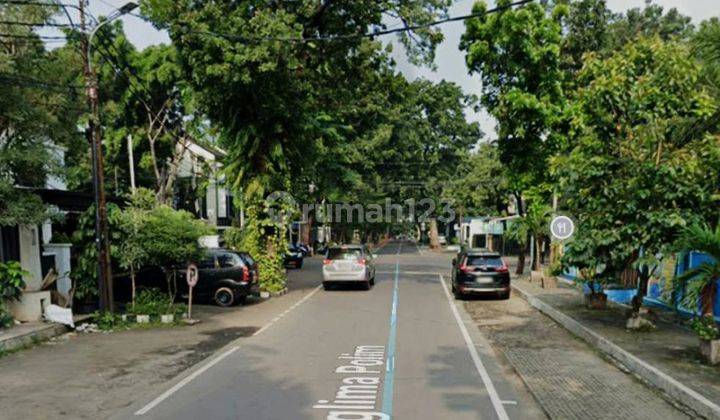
(192, 275)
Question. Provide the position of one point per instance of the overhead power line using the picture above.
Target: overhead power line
(38, 3)
(34, 36)
(35, 24)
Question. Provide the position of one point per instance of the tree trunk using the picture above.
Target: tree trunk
(434, 241)
(707, 299)
(641, 290)
(536, 257)
(521, 261)
(132, 284)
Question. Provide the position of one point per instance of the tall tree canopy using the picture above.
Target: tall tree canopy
(38, 111)
(269, 95)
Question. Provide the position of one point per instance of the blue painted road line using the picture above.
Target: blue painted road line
(387, 405)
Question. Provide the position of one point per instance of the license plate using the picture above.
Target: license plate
(484, 280)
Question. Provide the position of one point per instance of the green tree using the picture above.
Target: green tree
(635, 176)
(38, 108)
(170, 239)
(648, 22)
(269, 97)
(480, 184)
(517, 54)
(131, 222)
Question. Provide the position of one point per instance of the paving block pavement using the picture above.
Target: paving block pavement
(568, 378)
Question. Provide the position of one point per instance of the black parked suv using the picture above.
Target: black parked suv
(480, 272)
(226, 277)
(294, 256)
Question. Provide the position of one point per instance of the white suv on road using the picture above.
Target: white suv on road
(349, 263)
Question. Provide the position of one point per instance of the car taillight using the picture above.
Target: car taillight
(503, 268)
(361, 261)
(465, 269)
(327, 261)
(246, 273)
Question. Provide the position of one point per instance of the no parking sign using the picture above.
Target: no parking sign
(191, 275)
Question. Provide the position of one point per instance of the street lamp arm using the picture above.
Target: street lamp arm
(127, 8)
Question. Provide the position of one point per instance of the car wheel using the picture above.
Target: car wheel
(224, 297)
(326, 285)
(366, 285)
(457, 293)
(505, 295)
(299, 264)
(372, 281)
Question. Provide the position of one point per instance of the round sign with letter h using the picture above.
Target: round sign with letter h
(562, 227)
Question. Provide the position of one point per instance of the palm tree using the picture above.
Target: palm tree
(518, 232)
(700, 282)
(534, 223)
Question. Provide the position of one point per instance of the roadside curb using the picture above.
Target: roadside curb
(671, 386)
(279, 293)
(36, 336)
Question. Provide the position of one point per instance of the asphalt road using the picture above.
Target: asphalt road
(402, 350)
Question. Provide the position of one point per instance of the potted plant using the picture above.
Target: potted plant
(595, 297)
(550, 273)
(709, 334)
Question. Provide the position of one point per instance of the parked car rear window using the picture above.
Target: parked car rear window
(248, 258)
(227, 260)
(344, 254)
(476, 261)
(208, 262)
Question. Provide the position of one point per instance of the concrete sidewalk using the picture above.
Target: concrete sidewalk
(667, 358)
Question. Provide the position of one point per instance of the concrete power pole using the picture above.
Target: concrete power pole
(105, 284)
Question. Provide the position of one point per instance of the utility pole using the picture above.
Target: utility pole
(105, 280)
(105, 284)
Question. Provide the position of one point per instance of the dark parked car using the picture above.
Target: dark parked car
(226, 277)
(480, 272)
(304, 249)
(294, 257)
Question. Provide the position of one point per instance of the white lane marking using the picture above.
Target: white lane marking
(217, 360)
(287, 311)
(185, 381)
(494, 397)
(509, 402)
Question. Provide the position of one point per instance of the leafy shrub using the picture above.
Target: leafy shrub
(11, 281)
(84, 273)
(152, 302)
(11, 288)
(6, 320)
(706, 328)
(270, 264)
(107, 321)
(61, 238)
